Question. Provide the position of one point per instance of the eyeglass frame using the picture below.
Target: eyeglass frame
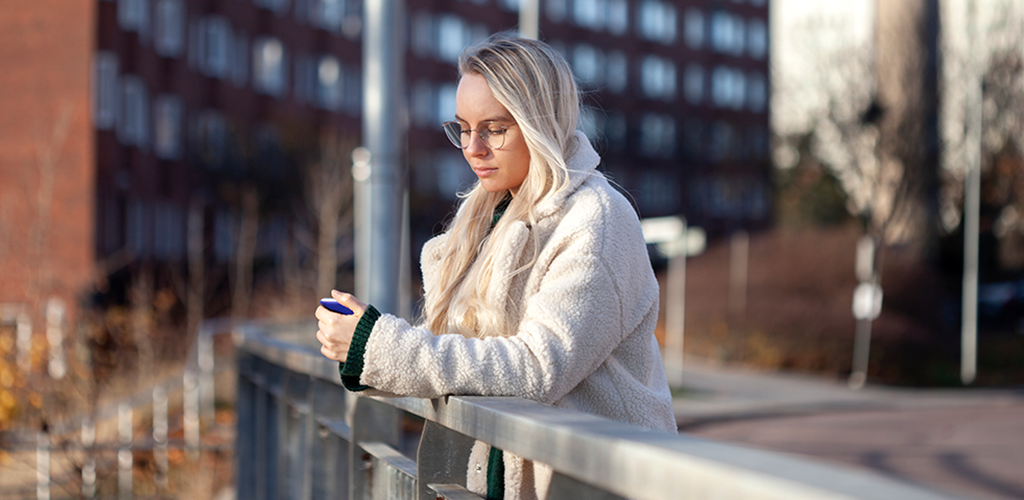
(485, 123)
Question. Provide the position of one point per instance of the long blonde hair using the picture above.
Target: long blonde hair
(535, 84)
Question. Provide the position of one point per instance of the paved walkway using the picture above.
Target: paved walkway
(966, 442)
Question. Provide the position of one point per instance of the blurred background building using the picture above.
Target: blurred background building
(122, 116)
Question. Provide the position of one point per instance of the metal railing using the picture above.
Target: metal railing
(302, 436)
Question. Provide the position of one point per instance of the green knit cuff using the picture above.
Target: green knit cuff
(352, 369)
(495, 475)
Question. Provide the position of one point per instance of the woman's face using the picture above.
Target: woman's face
(498, 169)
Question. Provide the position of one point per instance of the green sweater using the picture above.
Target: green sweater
(352, 370)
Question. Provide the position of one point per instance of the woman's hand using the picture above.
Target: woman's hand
(336, 330)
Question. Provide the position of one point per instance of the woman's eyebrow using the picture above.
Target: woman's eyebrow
(498, 118)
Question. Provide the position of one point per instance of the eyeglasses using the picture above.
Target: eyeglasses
(491, 132)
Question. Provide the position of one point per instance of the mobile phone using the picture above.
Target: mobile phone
(335, 306)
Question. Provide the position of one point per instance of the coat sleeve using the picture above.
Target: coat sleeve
(570, 326)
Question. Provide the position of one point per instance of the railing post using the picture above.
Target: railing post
(372, 421)
(442, 458)
(330, 449)
(246, 438)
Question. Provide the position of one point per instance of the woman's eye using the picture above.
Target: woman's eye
(496, 131)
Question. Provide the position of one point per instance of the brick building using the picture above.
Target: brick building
(121, 114)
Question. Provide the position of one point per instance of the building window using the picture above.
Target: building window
(615, 130)
(757, 92)
(137, 238)
(757, 39)
(422, 38)
(657, 21)
(305, 78)
(133, 130)
(723, 139)
(104, 90)
(133, 15)
(728, 88)
(693, 137)
(354, 90)
(445, 103)
(216, 46)
(169, 231)
(657, 135)
(693, 29)
(211, 137)
(223, 236)
(556, 10)
(509, 5)
(278, 6)
(169, 28)
(618, 17)
(167, 120)
(693, 83)
(329, 83)
(328, 14)
(269, 66)
(658, 78)
(659, 192)
(422, 104)
(453, 36)
(240, 60)
(589, 13)
(727, 33)
(618, 72)
(587, 63)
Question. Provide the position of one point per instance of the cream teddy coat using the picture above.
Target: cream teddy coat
(586, 339)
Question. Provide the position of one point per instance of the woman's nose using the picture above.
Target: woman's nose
(476, 146)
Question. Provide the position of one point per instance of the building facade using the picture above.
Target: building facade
(120, 115)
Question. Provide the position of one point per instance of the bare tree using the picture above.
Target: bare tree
(328, 194)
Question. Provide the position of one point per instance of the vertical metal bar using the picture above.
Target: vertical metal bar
(43, 466)
(206, 373)
(160, 436)
(124, 454)
(371, 421)
(330, 451)
(529, 19)
(379, 188)
(442, 458)
(675, 313)
(262, 440)
(89, 463)
(55, 310)
(972, 205)
(245, 441)
(861, 353)
(191, 417)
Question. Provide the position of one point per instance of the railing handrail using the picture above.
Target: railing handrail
(619, 458)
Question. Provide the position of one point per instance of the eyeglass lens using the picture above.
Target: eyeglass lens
(492, 133)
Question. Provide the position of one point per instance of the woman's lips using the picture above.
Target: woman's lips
(484, 171)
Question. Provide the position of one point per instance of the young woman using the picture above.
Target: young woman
(540, 287)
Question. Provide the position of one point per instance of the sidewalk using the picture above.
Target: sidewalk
(967, 442)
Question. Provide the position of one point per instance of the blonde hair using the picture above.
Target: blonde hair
(535, 84)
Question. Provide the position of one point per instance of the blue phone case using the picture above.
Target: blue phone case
(335, 306)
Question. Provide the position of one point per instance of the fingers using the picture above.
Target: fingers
(350, 301)
(336, 349)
